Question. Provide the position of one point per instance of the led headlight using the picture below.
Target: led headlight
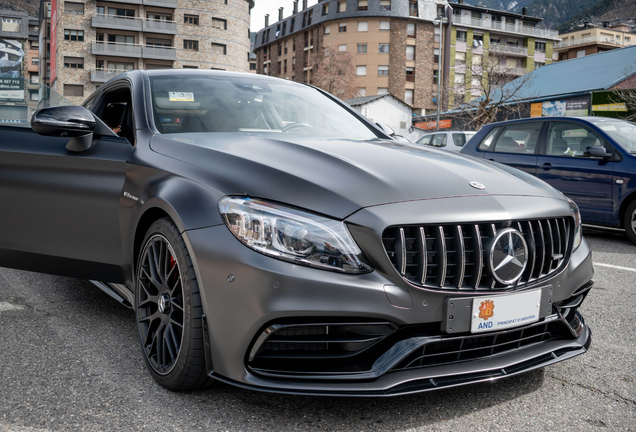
(576, 214)
(293, 235)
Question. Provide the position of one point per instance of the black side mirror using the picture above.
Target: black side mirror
(596, 151)
(75, 122)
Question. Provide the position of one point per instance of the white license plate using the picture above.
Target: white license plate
(500, 312)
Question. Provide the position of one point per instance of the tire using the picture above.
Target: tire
(630, 221)
(168, 310)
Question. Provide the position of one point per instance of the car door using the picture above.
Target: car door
(60, 211)
(516, 145)
(586, 180)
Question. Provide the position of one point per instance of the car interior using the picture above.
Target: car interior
(114, 108)
(570, 140)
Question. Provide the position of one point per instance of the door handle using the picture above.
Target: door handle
(546, 166)
(491, 160)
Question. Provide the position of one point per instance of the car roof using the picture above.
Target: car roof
(564, 118)
(447, 131)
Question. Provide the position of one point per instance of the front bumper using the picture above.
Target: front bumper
(244, 293)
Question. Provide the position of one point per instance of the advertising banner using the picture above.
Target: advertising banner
(572, 107)
(536, 109)
(613, 107)
(53, 40)
(12, 58)
(443, 124)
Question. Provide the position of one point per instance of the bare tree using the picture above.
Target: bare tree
(626, 95)
(335, 72)
(492, 93)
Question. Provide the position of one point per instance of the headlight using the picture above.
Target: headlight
(293, 235)
(576, 214)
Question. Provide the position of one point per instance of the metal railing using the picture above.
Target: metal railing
(162, 3)
(159, 53)
(513, 27)
(513, 70)
(160, 26)
(116, 22)
(103, 75)
(118, 49)
(510, 49)
(592, 39)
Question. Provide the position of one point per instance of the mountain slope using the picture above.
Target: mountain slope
(32, 7)
(605, 10)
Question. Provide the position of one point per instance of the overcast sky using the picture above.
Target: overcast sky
(262, 7)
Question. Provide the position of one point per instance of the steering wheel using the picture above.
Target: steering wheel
(293, 126)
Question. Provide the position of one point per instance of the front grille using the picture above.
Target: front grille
(457, 349)
(453, 257)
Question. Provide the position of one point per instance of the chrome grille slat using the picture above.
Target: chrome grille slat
(452, 257)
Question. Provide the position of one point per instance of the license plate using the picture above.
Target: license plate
(500, 312)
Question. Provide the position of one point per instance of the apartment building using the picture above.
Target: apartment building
(92, 41)
(479, 35)
(393, 43)
(592, 40)
(18, 65)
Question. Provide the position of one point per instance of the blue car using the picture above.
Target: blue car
(592, 160)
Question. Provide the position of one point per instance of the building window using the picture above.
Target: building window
(286, 46)
(461, 36)
(285, 66)
(382, 90)
(342, 28)
(537, 65)
(410, 74)
(191, 45)
(410, 30)
(383, 70)
(385, 5)
(191, 19)
(74, 62)
(11, 25)
(325, 9)
(219, 49)
(35, 61)
(362, 91)
(280, 50)
(580, 53)
(362, 48)
(34, 96)
(220, 24)
(413, 8)
(252, 66)
(342, 6)
(361, 70)
(74, 8)
(293, 63)
(540, 46)
(435, 75)
(460, 58)
(477, 59)
(342, 47)
(384, 48)
(435, 55)
(363, 4)
(385, 25)
(475, 82)
(327, 30)
(73, 90)
(280, 68)
(408, 96)
(74, 35)
(363, 26)
(410, 53)
(460, 78)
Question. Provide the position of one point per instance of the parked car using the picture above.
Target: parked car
(592, 160)
(448, 140)
(270, 237)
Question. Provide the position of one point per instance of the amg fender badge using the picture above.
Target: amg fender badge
(131, 196)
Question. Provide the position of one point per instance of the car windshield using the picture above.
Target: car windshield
(222, 103)
(623, 132)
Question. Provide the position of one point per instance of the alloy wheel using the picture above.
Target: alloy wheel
(160, 307)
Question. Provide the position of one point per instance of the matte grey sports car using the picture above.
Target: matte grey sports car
(270, 237)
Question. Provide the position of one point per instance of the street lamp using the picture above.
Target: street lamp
(439, 22)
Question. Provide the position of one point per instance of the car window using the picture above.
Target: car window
(439, 140)
(426, 140)
(623, 132)
(115, 109)
(461, 138)
(486, 142)
(571, 140)
(519, 138)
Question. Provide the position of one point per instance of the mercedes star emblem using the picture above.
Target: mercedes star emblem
(508, 256)
(477, 185)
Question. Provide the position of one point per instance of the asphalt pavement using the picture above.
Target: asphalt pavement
(70, 360)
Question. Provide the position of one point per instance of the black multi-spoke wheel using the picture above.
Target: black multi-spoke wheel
(169, 312)
(630, 221)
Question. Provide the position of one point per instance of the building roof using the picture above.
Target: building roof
(581, 75)
(358, 101)
(484, 9)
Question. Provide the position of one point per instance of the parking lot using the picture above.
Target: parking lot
(71, 360)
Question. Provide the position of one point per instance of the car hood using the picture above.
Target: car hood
(338, 177)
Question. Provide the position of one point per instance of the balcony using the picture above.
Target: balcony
(133, 2)
(103, 75)
(161, 3)
(116, 22)
(516, 71)
(509, 49)
(116, 49)
(159, 53)
(158, 26)
(507, 26)
(591, 40)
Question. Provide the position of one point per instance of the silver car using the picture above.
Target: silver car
(450, 140)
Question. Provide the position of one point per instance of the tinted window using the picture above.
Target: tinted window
(571, 139)
(461, 138)
(519, 138)
(486, 142)
(439, 140)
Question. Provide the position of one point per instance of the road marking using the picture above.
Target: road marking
(4, 306)
(611, 266)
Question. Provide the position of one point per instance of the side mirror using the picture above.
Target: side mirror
(596, 151)
(75, 122)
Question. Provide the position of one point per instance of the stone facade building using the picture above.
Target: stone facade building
(593, 40)
(392, 42)
(97, 40)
